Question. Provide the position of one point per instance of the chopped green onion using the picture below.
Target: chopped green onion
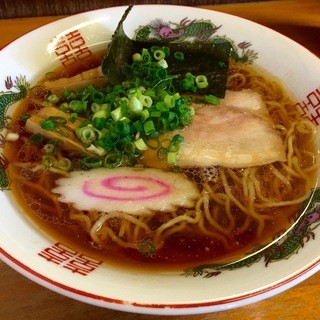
(25, 117)
(172, 158)
(64, 164)
(100, 114)
(178, 138)
(162, 107)
(58, 119)
(73, 117)
(201, 82)
(166, 50)
(147, 248)
(165, 143)
(162, 153)
(169, 101)
(145, 114)
(53, 98)
(47, 162)
(186, 84)
(92, 162)
(212, 99)
(153, 143)
(49, 148)
(64, 107)
(138, 125)
(149, 127)
(129, 147)
(134, 93)
(140, 144)
(159, 54)
(98, 123)
(48, 124)
(146, 101)
(150, 93)
(69, 95)
(155, 114)
(145, 55)
(163, 63)
(116, 114)
(100, 151)
(121, 121)
(176, 96)
(36, 138)
(106, 106)
(96, 96)
(78, 106)
(112, 160)
(95, 107)
(154, 48)
(122, 128)
(163, 125)
(222, 65)
(61, 132)
(135, 106)
(137, 57)
(179, 55)
(86, 134)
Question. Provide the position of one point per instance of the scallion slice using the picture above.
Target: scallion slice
(64, 164)
(201, 81)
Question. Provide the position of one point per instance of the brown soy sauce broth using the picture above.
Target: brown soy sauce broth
(181, 250)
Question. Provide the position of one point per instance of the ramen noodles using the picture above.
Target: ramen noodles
(224, 183)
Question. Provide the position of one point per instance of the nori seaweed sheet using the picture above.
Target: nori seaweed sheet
(200, 58)
(116, 61)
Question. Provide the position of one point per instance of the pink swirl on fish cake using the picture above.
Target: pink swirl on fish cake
(114, 184)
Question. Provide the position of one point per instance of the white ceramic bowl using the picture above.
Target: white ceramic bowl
(44, 260)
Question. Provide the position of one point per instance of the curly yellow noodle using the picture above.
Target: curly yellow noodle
(237, 81)
(213, 234)
(307, 128)
(290, 151)
(245, 225)
(82, 218)
(313, 167)
(252, 212)
(229, 194)
(229, 215)
(257, 186)
(208, 215)
(296, 165)
(138, 228)
(290, 171)
(176, 220)
(171, 231)
(119, 241)
(234, 175)
(104, 217)
(124, 228)
(245, 182)
(220, 198)
(284, 203)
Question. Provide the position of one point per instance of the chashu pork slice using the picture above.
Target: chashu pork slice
(246, 100)
(228, 137)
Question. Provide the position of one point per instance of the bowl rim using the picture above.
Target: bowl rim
(168, 309)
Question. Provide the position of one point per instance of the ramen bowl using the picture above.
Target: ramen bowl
(56, 264)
